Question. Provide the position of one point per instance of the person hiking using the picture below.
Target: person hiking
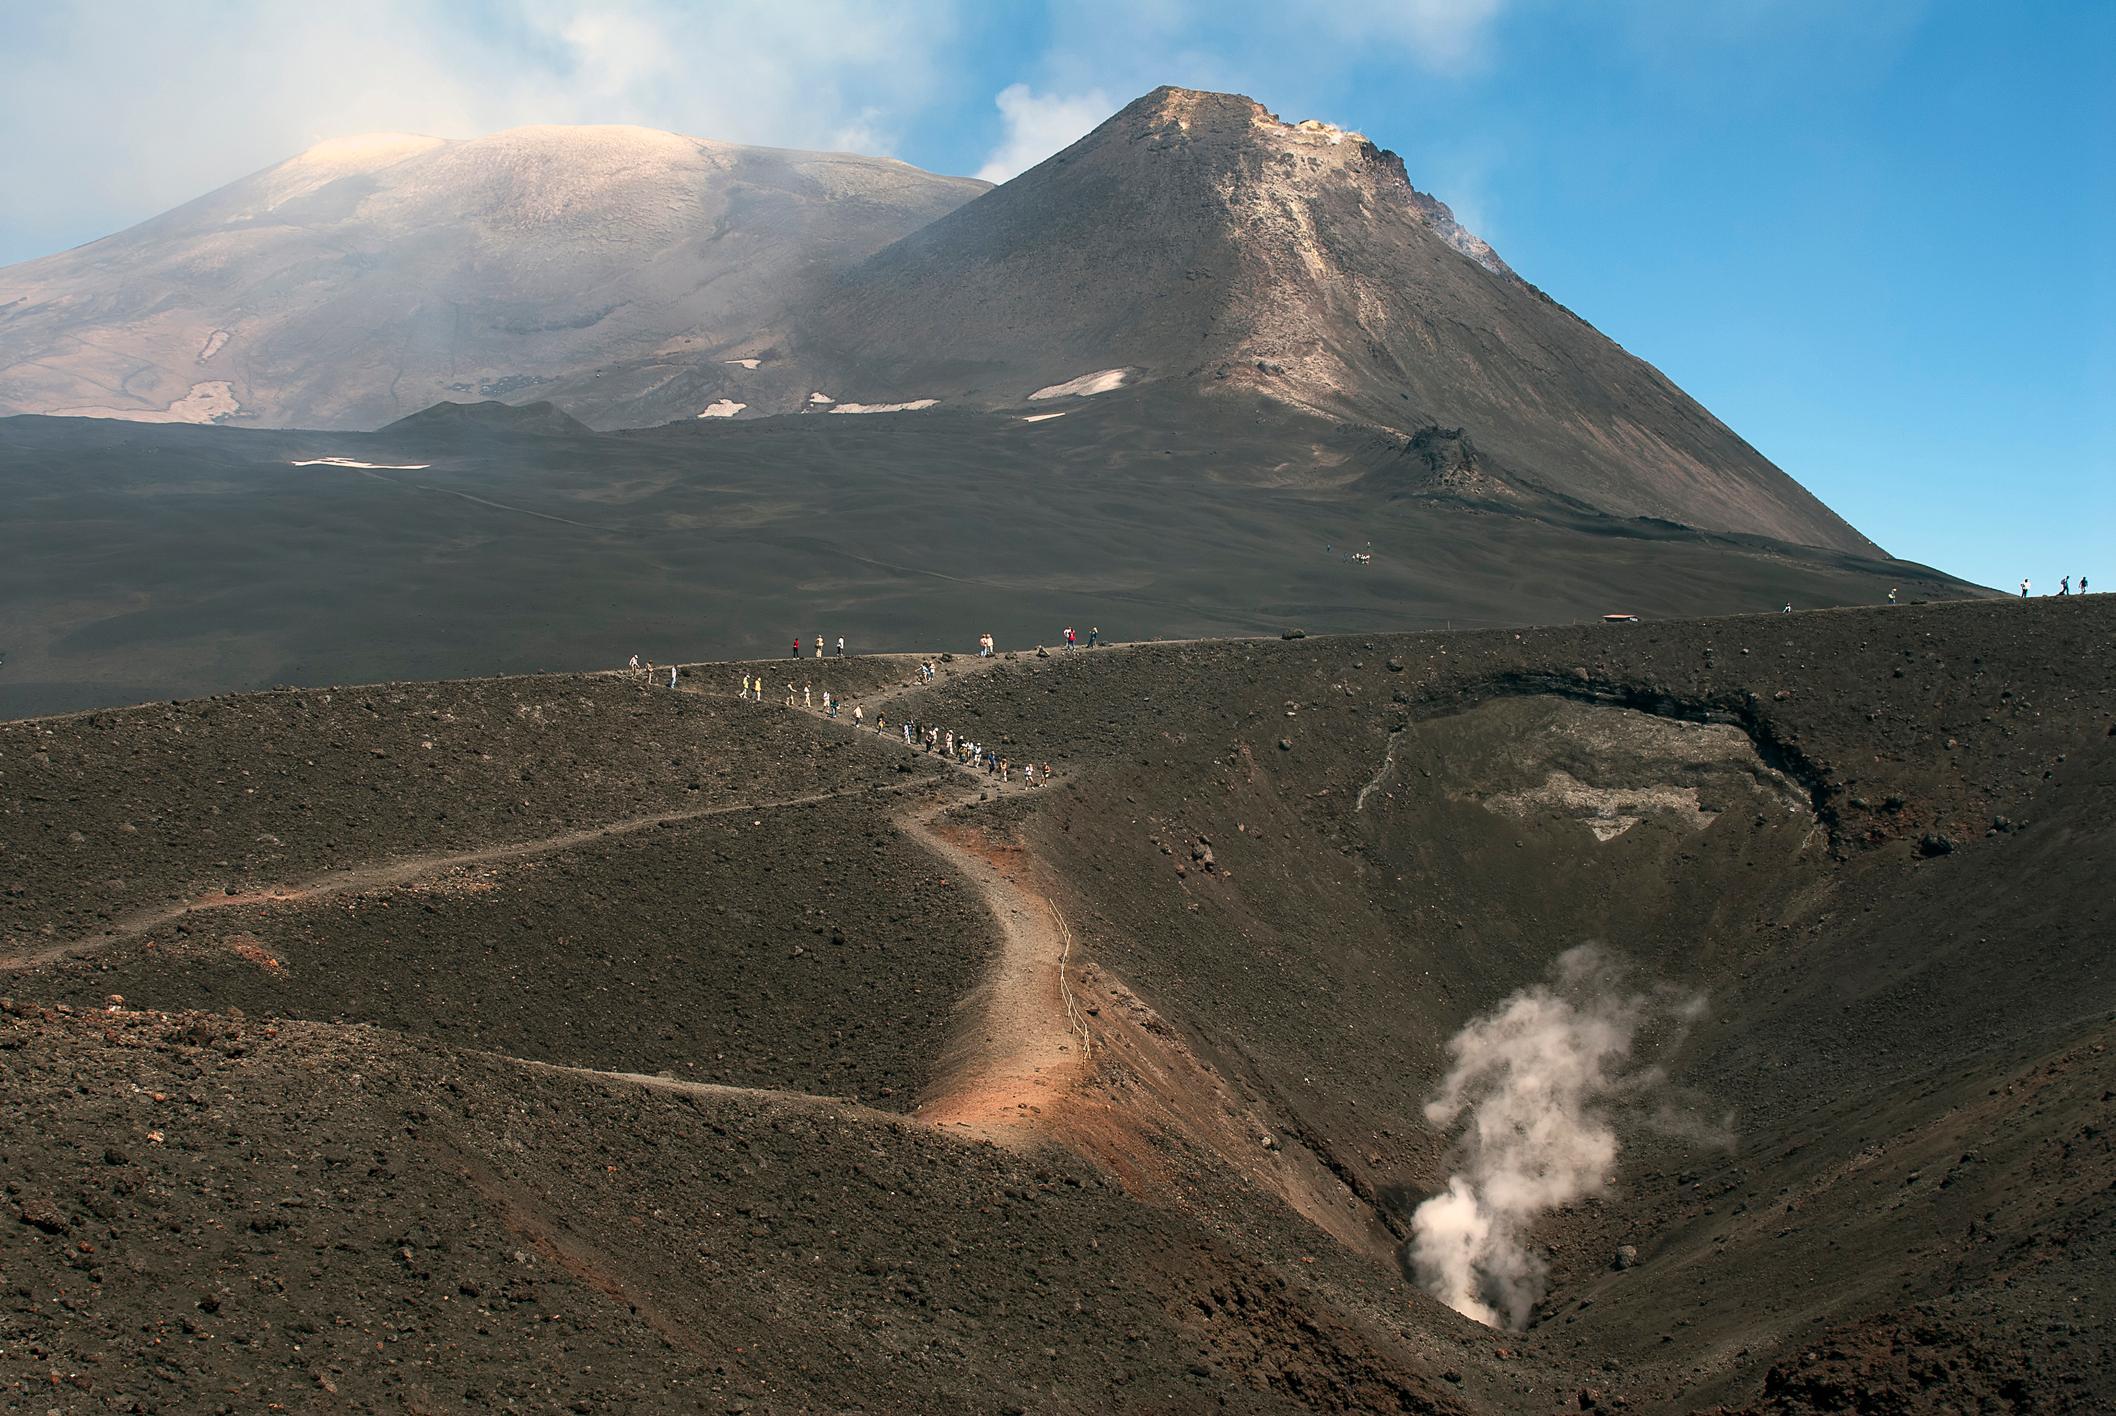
(819, 646)
(2024, 587)
(1094, 632)
(2064, 586)
(789, 693)
(841, 646)
(797, 646)
(634, 665)
(672, 676)
(808, 699)
(745, 687)
(1070, 641)
(1891, 594)
(2082, 585)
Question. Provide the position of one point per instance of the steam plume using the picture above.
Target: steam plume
(1537, 1085)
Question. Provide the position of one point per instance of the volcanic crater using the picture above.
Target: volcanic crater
(573, 1041)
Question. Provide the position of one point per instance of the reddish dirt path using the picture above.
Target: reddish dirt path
(1022, 1047)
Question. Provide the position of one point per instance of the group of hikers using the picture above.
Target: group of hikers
(645, 670)
(916, 735)
(974, 755)
(987, 646)
(818, 642)
(2064, 586)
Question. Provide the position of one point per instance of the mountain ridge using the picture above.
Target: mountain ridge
(368, 277)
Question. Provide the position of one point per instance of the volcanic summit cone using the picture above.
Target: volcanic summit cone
(1195, 239)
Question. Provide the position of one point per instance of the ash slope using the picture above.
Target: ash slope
(1912, 1041)
(369, 277)
(1195, 240)
(143, 562)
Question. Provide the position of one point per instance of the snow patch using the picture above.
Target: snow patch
(369, 466)
(723, 408)
(911, 407)
(745, 363)
(1084, 386)
(1043, 417)
(821, 398)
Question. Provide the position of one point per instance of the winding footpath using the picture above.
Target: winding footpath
(1022, 1045)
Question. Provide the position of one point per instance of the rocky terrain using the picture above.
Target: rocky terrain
(565, 1042)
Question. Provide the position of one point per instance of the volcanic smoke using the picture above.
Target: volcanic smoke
(1537, 1085)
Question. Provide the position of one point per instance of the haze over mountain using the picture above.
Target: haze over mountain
(372, 276)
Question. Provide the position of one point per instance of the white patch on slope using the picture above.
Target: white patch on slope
(370, 466)
(821, 398)
(1085, 386)
(209, 402)
(1331, 131)
(911, 407)
(1043, 417)
(745, 363)
(723, 408)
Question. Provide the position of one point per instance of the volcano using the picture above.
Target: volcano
(1194, 239)
(1202, 373)
(371, 276)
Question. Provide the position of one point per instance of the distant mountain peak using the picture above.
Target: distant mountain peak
(1201, 241)
(544, 418)
(372, 274)
(1172, 115)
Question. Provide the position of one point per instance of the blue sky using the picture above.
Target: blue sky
(1873, 238)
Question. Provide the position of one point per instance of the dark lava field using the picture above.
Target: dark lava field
(145, 562)
(567, 1042)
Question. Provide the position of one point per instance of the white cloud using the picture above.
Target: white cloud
(1039, 125)
(1434, 33)
(119, 111)
(122, 109)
